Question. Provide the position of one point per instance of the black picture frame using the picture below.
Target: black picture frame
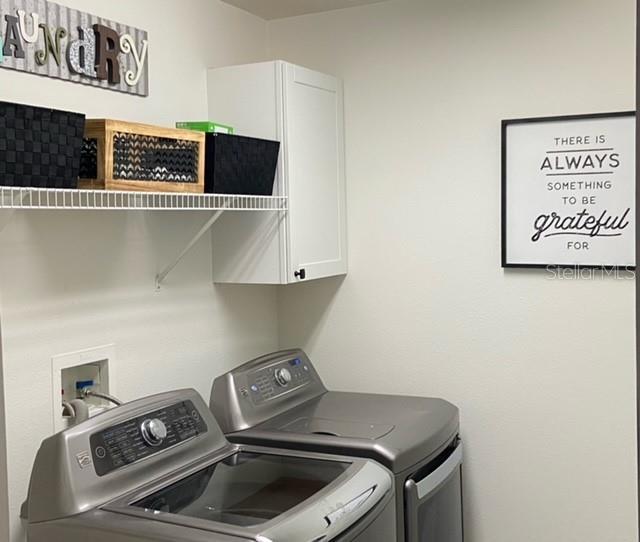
(505, 123)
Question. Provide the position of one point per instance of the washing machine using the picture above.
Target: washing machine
(279, 400)
(160, 469)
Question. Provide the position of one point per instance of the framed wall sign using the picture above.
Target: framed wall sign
(568, 191)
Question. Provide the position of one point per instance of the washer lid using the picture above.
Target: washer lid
(265, 496)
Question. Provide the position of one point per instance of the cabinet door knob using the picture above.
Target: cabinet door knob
(300, 274)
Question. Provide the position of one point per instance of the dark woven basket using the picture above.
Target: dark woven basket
(39, 147)
(240, 165)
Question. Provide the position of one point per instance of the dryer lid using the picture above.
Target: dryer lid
(337, 428)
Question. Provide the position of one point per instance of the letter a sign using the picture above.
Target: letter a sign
(48, 39)
(568, 191)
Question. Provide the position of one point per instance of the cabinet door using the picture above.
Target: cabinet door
(314, 143)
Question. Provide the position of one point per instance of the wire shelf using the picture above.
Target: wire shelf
(53, 198)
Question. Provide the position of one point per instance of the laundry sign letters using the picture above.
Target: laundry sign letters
(568, 190)
(48, 39)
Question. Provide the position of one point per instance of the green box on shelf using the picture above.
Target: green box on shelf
(205, 126)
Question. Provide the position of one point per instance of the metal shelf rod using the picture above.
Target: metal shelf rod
(207, 225)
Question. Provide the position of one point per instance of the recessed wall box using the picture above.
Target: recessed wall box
(72, 372)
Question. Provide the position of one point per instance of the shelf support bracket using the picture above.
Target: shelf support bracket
(207, 225)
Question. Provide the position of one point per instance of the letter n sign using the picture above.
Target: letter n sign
(568, 191)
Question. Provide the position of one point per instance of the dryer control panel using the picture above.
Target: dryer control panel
(275, 380)
(143, 436)
(263, 388)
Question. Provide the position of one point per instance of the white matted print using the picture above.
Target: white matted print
(568, 191)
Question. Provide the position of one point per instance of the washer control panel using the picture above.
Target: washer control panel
(276, 379)
(143, 436)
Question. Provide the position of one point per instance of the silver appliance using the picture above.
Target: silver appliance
(279, 400)
(160, 469)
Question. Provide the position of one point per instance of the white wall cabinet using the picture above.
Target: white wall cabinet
(304, 110)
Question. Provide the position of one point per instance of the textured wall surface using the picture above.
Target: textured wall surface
(81, 279)
(543, 370)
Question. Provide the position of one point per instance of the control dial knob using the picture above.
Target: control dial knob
(154, 431)
(283, 376)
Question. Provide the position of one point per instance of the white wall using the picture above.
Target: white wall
(542, 370)
(81, 279)
(4, 496)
